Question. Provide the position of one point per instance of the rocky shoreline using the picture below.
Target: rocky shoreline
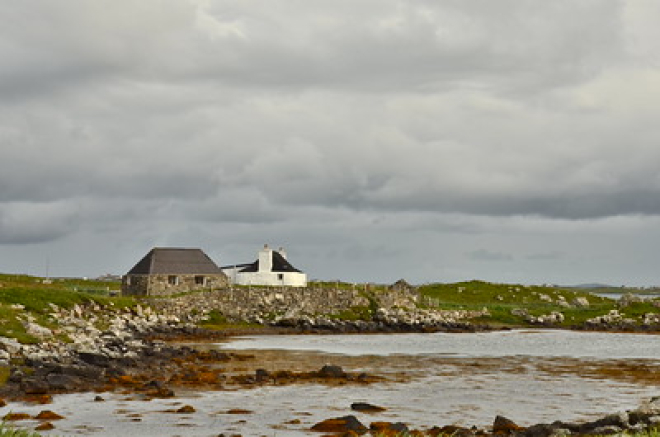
(640, 420)
(95, 346)
(139, 351)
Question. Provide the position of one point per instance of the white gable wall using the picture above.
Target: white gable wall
(274, 279)
(265, 275)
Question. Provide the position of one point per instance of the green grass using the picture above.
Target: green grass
(502, 299)
(219, 322)
(35, 296)
(353, 314)
(9, 431)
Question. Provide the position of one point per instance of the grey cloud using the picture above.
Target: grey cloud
(487, 255)
(382, 45)
(23, 223)
(388, 133)
(545, 256)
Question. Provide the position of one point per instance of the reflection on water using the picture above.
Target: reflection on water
(546, 343)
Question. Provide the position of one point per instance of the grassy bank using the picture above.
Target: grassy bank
(505, 302)
(10, 431)
(21, 295)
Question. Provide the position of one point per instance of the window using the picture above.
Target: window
(173, 280)
(280, 276)
(200, 280)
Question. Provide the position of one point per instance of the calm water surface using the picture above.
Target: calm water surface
(536, 343)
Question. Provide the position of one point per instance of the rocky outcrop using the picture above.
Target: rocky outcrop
(634, 421)
(554, 318)
(612, 319)
(91, 345)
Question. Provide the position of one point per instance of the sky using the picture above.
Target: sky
(430, 140)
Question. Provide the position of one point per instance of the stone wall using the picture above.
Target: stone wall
(162, 285)
(257, 304)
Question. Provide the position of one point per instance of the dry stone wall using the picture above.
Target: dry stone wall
(258, 304)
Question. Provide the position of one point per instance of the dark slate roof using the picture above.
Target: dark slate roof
(175, 261)
(280, 264)
(235, 266)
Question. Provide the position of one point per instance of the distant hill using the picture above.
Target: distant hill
(591, 286)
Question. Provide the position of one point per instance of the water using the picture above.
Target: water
(617, 296)
(433, 379)
(537, 343)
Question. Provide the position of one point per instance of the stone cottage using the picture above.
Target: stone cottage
(271, 268)
(166, 271)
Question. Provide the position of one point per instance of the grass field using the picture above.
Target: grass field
(502, 299)
(21, 295)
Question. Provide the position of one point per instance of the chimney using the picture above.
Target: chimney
(265, 259)
(282, 252)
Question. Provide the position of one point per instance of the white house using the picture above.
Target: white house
(271, 268)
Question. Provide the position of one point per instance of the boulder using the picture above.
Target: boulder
(262, 375)
(389, 428)
(10, 345)
(63, 382)
(38, 330)
(330, 371)
(505, 426)
(364, 407)
(46, 426)
(48, 415)
(581, 302)
(34, 386)
(341, 424)
(94, 359)
(186, 409)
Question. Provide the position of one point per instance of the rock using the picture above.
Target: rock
(48, 415)
(186, 409)
(451, 430)
(11, 417)
(619, 420)
(63, 382)
(503, 425)
(239, 411)
(387, 428)
(581, 302)
(38, 330)
(262, 375)
(340, 424)
(10, 345)
(520, 312)
(46, 426)
(606, 430)
(99, 399)
(329, 371)
(94, 359)
(628, 299)
(364, 407)
(5, 357)
(35, 387)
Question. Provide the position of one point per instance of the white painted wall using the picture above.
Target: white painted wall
(265, 276)
(273, 279)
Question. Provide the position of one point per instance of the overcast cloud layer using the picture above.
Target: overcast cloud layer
(376, 139)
